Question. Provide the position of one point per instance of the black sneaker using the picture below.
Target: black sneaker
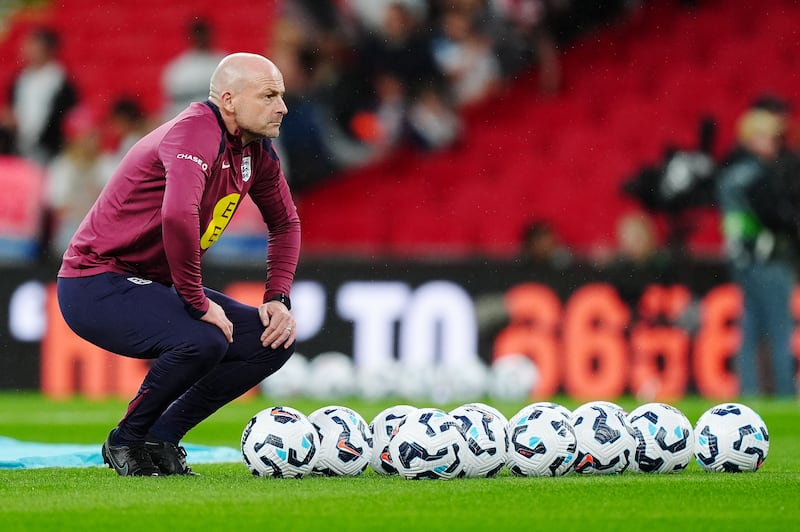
(168, 457)
(128, 460)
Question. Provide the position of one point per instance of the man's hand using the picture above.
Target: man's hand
(216, 316)
(279, 325)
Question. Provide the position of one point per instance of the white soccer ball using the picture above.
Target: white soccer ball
(512, 377)
(289, 381)
(331, 375)
(664, 436)
(427, 445)
(383, 427)
(345, 441)
(280, 442)
(488, 408)
(542, 443)
(561, 409)
(609, 405)
(606, 441)
(487, 440)
(377, 380)
(415, 381)
(465, 381)
(731, 437)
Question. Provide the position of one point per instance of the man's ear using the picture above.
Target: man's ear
(226, 99)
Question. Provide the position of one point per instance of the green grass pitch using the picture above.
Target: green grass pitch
(227, 497)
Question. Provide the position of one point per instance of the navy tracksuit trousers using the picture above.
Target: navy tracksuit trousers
(195, 371)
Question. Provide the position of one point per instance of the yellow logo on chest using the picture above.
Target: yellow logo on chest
(223, 212)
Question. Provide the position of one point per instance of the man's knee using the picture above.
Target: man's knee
(206, 348)
(273, 359)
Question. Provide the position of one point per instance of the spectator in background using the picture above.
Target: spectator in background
(432, 122)
(542, 246)
(128, 124)
(74, 180)
(185, 78)
(41, 96)
(412, 99)
(465, 57)
(638, 244)
(371, 14)
(760, 228)
(531, 39)
(401, 48)
(313, 139)
(787, 166)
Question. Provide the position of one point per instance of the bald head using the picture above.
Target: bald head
(235, 71)
(248, 90)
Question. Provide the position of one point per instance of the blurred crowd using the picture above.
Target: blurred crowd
(363, 78)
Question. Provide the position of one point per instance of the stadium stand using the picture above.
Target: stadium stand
(630, 89)
(21, 209)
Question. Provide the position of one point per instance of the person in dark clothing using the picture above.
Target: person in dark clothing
(761, 228)
(130, 280)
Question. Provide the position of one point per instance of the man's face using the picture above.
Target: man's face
(765, 145)
(259, 107)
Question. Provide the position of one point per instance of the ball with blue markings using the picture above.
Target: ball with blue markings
(606, 441)
(664, 439)
(280, 442)
(485, 430)
(345, 441)
(731, 437)
(428, 445)
(542, 442)
(383, 427)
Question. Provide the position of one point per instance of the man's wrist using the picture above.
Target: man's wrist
(283, 298)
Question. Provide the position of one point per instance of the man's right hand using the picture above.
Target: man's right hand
(216, 316)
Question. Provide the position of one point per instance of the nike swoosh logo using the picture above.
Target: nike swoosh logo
(124, 469)
(225, 165)
(343, 446)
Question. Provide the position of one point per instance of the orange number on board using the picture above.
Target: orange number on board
(716, 343)
(660, 353)
(594, 343)
(535, 312)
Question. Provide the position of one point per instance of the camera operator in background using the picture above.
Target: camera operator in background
(760, 227)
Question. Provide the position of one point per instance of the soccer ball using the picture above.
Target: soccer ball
(492, 410)
(345, 441)
(377, 380)
(415, 381)
(289, 381)
(665, 439)
(543, 443)
(331, 375)
(487, 440)
(731, 437)
(609, 405)
(464, 381)
(561, 409)
(606, 441)
(280, 442)
(427, 445)
(512, 377)
(383, 426)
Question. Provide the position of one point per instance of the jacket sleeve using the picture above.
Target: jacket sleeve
(188, 152)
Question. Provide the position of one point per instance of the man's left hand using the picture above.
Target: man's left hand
(279, 325)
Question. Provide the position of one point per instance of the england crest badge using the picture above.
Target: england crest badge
(246, 170)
